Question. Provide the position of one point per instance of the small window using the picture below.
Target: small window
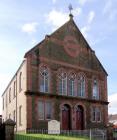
(41, 110)
(20, 82)
(71, 84)
(6, 99)
(44, 79)
(98, 117)
(95, 89)
(14, 89)
(9, 95)
(14, 115)
(48, 111)
(3, 103)
(96, 114)
(93, 114)
(62, 83)
(44, 110)
(20, 115)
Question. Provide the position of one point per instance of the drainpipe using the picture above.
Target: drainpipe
(16, 103)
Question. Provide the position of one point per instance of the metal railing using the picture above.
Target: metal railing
(91, 134)
(115, 134)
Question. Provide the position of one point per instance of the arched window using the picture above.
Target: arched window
(95, 89)
(44, 79)
(72, 84)
(62, 83)
(81, 85)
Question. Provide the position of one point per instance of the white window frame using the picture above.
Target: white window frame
(20, 115)
(20, 82)
(95, 89)
(82, 85)
(62, 81)
(96, 110)
(44, 103)
(72, 79)
(10, 95)
(46, 109)
(43, 79)
(40, 101)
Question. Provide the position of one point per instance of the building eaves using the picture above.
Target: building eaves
(13, 76)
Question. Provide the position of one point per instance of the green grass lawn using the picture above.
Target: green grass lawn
(46, 137)
(115, 134)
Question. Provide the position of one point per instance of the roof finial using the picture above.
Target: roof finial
(70, 9)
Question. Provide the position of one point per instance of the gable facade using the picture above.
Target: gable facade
(76, 81)
(65, 81)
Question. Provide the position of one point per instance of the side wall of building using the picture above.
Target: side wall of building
(14, 99)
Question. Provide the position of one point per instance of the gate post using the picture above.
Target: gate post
(90, 134)
(110, 132)
(9, 129)
(2, 131)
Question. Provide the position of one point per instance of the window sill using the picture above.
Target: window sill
(41, 119)
(44, 119)
(96, 121)
(48, 119)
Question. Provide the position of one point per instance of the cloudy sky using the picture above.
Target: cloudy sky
(23, 23)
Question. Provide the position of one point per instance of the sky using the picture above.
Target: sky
(24, 23)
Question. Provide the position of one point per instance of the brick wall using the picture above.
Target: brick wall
(66, 48)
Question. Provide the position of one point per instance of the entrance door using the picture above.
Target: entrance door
(66, 117)
(79, 118)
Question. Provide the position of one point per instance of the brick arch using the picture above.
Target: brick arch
(67, 102)
(44, 64)
(72, 71)
(84, 113)
(81, 104)
(81, 73)
(62, 69)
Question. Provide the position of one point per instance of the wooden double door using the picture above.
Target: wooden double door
(79, 118)
(66, 118)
